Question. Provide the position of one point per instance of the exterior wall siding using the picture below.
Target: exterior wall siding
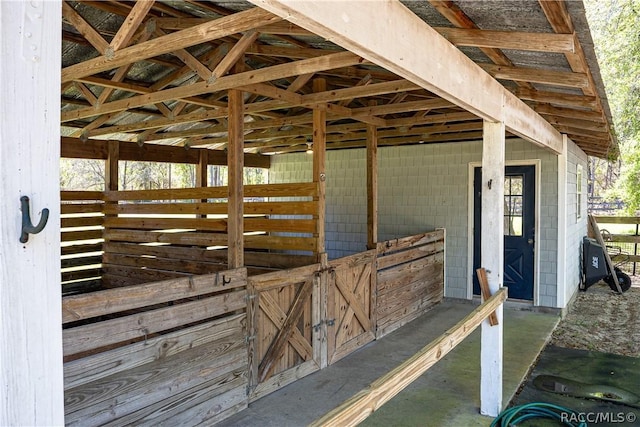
(576, 225)
(423, 187)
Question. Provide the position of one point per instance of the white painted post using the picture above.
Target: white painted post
(31, 384)
(492, 260)
(561, 291)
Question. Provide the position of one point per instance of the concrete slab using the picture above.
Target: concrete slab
(447, 394)
(592, 369)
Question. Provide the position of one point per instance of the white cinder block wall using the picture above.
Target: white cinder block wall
(422, 187)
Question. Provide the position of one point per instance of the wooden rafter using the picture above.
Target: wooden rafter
(211, 30)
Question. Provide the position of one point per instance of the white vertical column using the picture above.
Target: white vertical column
(30, 290)
(562, 297)
(493, 148)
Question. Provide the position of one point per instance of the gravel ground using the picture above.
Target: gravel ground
(604, 321)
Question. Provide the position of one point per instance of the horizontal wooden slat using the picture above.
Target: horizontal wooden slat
(120, 275)
(257, 259)
(280, 243)
(77, 208)
(81, 274)
(262, 190)
(400, 299)
(391, 278)
(73, 236)
(136, 326)
(617, 219)
(182, 238)
(409, 255)
(81, 249)
(81, 195)
(409, 241)
(167, 223)
(168, 194)
(91, 368)
(139, 387)
(115, 300)
(80, 261)
(280, 225)
(306, 189)
(84, 221)
(283, 278)
(166, 264)
(182, 208)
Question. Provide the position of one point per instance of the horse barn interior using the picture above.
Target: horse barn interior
(184, 305)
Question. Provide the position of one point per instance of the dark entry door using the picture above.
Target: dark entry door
(519, 230)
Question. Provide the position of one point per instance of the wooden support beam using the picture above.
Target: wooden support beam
(74, 148)
(536, 42)
(319, 164)
(492, 259)
(211, 30)
(372, 186)
(400, 48)
(84, 28)
(201, 168)
(354, 410)
(130, 25)
(111, 166)
(262, 75)
(535, 75)
(235, 155)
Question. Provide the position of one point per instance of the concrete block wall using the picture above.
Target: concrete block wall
(422, 187)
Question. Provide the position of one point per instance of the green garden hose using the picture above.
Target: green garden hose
(517, 414)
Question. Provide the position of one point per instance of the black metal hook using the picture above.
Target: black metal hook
(27, 226)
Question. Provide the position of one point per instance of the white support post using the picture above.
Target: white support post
(492, 247)
(31, 391)
(562, 297)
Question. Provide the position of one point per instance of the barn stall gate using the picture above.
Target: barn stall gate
(173, 334)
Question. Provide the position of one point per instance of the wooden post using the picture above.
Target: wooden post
(30, 289)
(202, 168)
(111, 166)
(319, 164)
(235, 159)
(492, 248)
(372, 185)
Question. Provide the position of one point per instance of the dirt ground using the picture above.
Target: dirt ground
(604, 321)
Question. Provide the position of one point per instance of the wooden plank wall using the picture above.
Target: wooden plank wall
(410, 278)
(143, 354)
(161, 234)
(82, 243)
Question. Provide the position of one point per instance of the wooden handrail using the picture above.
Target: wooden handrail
(364, 403)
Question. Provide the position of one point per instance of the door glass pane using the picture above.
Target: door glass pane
(513, 202)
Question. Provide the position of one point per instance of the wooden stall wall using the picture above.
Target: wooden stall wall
(143, 354)
(82, 241)
(410, 278)
(154, 235)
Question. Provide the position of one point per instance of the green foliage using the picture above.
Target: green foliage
(615, 30)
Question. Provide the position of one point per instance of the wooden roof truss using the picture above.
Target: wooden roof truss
(158, 72)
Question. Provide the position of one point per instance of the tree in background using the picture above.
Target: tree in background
(615, 28)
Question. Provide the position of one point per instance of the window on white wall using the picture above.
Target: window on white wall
(578, 191)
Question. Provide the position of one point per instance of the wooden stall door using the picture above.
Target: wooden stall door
(286, 344)
(350, 304)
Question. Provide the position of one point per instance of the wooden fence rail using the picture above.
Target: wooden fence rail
(367, 401)
(627, 244)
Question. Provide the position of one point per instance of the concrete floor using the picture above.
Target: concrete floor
(446, 395)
